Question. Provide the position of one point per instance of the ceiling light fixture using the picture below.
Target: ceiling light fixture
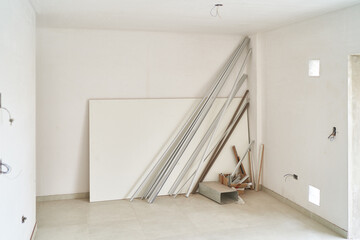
(214, 12)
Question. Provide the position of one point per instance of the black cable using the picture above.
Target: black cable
(332, 136)
(8, 168)
(11, 120)
(292, 175)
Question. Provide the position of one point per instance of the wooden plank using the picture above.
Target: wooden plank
(221, 178)
(242, 185)
(250, 170)
(260, 169)
(242, 169)
(240, 190)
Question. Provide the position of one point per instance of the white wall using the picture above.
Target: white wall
(75, 65)
(17, 142)
(354, 148)
(300, 111)
(255, 86)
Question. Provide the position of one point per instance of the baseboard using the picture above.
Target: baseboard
(62, 197)
(342, 232)
(33, 234)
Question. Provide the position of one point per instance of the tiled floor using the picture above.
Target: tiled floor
(261, 217)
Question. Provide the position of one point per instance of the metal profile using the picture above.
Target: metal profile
(218, 192)
(209, 132)
(242, 159)
(237, 114)
(213, 133)
(174, 151)
(176, 155)
(219, 149)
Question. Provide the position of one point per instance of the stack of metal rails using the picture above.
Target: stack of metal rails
(154, 181)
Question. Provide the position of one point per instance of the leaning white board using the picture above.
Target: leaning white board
(128, 136)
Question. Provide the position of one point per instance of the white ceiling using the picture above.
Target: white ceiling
(237, 16)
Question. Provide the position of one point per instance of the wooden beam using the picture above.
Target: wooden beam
(260, 169)
(242, 169)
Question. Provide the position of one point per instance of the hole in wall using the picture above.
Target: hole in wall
(314, 68)
(314, 195)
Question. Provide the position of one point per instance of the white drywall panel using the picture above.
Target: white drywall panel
(128, 136)
(75, 65)
(17, 142)
(300, 111)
